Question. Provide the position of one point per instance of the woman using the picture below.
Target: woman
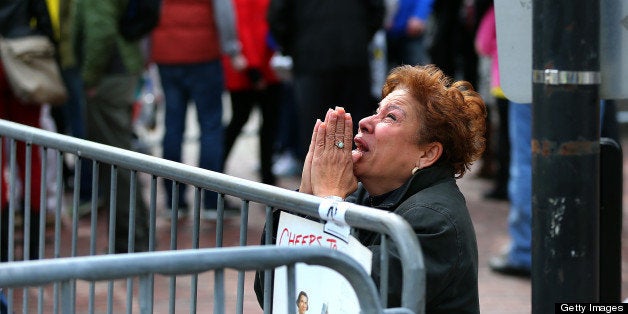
(425, 134)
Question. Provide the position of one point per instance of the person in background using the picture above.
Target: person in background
(187, 45)
(255, 84)
(70, 117)
(110, 68)
(404, 33)
(18, 19)
(486, 45)
(424, 135)
(328, 42)
(452, 50)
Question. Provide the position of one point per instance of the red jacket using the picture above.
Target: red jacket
(254, 38)
(186, 33)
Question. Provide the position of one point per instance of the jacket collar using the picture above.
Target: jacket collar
(422, 179)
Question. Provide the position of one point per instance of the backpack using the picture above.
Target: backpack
(139, 18)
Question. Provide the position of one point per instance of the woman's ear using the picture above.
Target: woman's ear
(431, 154)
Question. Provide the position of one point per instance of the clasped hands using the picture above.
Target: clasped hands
(328, 166)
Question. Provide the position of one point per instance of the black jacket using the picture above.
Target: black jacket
(325, 34)
(436, 210)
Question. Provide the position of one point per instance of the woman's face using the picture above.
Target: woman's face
(387, 145)
(302, 304)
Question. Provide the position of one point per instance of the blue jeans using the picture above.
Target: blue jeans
(203, 84)
(520, 184)
(74, 114)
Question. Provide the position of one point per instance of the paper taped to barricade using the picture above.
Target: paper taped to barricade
(327, 291)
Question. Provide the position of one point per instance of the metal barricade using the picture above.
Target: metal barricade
(65, 271)
(149, 169)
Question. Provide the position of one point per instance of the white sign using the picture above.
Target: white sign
(327, 291)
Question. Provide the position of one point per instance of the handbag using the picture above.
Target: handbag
(32, 70)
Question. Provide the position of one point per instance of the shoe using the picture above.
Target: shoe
(212, 213)
(500, 264)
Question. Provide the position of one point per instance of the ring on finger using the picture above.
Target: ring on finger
(340, 144)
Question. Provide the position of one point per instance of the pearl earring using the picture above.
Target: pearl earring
(414, 170)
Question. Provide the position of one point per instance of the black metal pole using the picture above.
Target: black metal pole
(565, 152)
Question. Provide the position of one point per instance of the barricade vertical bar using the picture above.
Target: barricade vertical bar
(75, 207)
(93, 220)
(174, 206)
(74, 249)
(268, 231)
(94, 206)
(76, 190)
(113, 210)
(219, 291)
(132, 212)
(42, 219)
(145, 294)
(12, 201)
(131, 237)
(67, 301)
(220, 220)
(383, 259)
(57, 240)
(195, 245)
(150, 289)
(26, 214)
(196, 214)
(219, 279)
(113, 188)
(291, 293)
(243, 238)
(174, 212)
(152, 215)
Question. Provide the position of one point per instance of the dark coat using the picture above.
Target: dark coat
(325, 34)
(436, 210)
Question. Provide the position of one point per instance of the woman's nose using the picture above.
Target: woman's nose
(365, 124)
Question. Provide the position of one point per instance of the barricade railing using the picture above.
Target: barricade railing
(392, 227)
(65, 271)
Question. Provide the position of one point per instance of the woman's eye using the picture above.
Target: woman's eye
(391, 116)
